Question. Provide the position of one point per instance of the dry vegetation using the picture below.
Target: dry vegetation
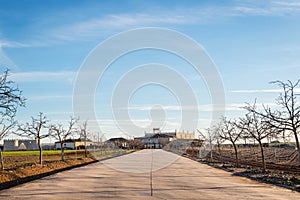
(25, 164)
(35, 169)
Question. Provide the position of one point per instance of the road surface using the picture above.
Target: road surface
(132, 176)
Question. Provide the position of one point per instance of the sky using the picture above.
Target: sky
(46, 43)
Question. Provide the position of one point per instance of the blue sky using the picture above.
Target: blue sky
(45, 43)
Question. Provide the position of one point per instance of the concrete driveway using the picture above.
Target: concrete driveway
(132, 176)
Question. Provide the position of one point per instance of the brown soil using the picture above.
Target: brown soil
(275, 177)
(14, 162)
(35, 169)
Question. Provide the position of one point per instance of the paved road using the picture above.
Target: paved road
(129, 177)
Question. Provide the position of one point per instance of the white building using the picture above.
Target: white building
(74, 143)
(19, 144)
(158, 139)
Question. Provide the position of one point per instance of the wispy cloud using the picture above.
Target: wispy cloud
(4, 43)
(104, 25)
(288, 4)
(262, 91)
(201, 108)
(43, 76)
(6, 62)
(266, 8)
(49, 97)
(97, 26)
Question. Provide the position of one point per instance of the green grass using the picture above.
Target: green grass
(22, 158)
(34, 153)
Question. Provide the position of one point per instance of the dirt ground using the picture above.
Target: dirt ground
(274, 177)
(34, 169)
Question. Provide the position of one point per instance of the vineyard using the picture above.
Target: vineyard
(283, 159)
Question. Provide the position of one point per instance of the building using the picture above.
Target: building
(158, 139)
(175, 134)
(19, 144)
(119, 142)
(155, 141)
(183, 135)
(48, 146)
(74, 144)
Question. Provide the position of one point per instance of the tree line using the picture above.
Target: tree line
(39, 127)
(259, 124)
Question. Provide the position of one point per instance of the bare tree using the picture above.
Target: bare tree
(60, 133)
(211, 137)
(230, 131)
(6, 125)
(215, 131)
(37, 129)
(84, 136)
(135, 144)
(10, 96)
(258, 128)
(288, 118)
(10, 99)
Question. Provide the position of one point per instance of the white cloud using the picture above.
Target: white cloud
(5, 61)
(244, 10)
(6, 43)
(42, 76)
(16, 44)
(97, 26)
(289, 4)
(49, 97)
(201, 108)
(267, 8)
(262, 91)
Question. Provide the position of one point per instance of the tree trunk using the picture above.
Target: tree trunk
(297, 145)
(263, 163)
(85, 150)
(62, 150)
(219, 149)
(236, 155)
(41, 151)
(298, 155)
(1, 160)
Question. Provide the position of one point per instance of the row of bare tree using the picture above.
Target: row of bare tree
(260, 124)
(38, 128)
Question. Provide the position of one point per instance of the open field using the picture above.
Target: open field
(282, 167)
(16, 159)
(16, 174)
(35, 153)
(22, 164)
(284, 159)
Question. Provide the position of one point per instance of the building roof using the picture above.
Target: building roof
(76, 140)
(158, 135)
(117, 139)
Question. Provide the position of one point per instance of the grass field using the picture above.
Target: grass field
(15, 159)
(35, 153)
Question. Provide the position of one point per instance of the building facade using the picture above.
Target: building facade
(74, 144)
(119, 142)
(19, 144)
(158, 139)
